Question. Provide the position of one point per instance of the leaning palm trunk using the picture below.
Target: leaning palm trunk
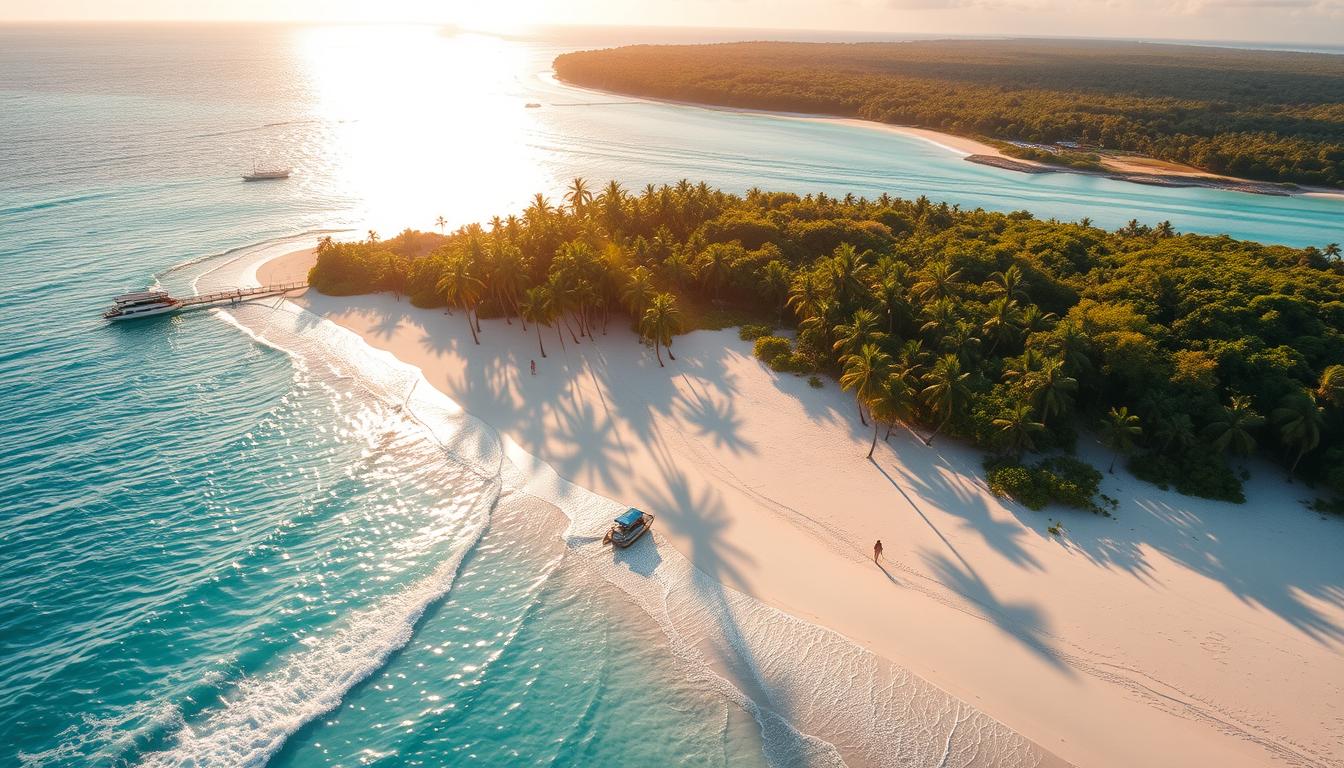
(539, 344)
(929, 440)
(873, 447)
(656, 348)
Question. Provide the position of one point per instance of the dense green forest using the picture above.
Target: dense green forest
(1266, 115)
(1183, 351)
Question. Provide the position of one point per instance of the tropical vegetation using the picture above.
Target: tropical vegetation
(1184, 354)
(1267, 115)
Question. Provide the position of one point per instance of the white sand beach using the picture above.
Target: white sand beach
(1180, 632)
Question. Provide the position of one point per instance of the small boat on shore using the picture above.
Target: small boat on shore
(141, 304)
(627, 528)
(266, 174)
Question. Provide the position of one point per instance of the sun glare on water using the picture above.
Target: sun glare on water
(420, 123)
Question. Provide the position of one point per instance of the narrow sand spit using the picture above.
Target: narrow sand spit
(1181, 632)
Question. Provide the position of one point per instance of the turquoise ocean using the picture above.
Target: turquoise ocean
(244, 538)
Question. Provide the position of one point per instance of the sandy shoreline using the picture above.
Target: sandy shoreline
(1181, 632)
(1133, 169)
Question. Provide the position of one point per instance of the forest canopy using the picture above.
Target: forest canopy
(1266, 115)
(1182, 352)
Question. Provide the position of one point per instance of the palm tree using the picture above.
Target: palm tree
(846, 271)
(1233, 427)
(661, 321)
(1118, 431)
(508, 275)
(1033, 320)
(945, 391)
(892, 300)
(539, 211)
(1164, 229)
(612, 204)
(938, 282)
(895, 401)
(1010, 283)
(561, 300)
(1001, 324)
(1300, 421)
(942, 318)
(850, 337)
(675, 269)
(1017, 425)
(1177, 430)
(373, 235)
(440, 222)
(714, 267)
(461, 288)
(962, 341)
(774, 283)
(865, 373)
(1071, 344)
(638, 291)
(578, 196)
(805, 295)
(1332, 251)
(1051, 388)
(536, 308)
(1332, 386)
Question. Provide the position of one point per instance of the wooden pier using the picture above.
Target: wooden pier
(236, 295)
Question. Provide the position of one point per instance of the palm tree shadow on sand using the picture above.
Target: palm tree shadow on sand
(699, 520)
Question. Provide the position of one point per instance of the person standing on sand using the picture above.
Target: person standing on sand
(534, 367)
(877, 550)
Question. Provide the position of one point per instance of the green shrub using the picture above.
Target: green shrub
(1199, 472)
(778, 353)
(1061, 480)
(1016, 482)
(770, 347)
(814, 381)
(796, 362)
(753, 332)
(1071, 482)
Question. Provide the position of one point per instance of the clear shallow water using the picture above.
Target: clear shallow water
(215, 551)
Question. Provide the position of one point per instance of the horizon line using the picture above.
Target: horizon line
(889, 36)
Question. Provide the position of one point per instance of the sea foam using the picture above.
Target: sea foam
(818, 698)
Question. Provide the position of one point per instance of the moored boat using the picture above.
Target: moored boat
(141, 304)
(266, 174)
(627, 528)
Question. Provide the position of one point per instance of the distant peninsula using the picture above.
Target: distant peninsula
(1150, 113)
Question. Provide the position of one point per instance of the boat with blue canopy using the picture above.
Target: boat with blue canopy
(628, 527)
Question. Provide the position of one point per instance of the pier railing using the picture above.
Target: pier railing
(239, 294)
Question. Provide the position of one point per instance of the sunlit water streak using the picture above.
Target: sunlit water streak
(199, 528)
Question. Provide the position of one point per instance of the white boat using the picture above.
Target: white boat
(141, 304)
(266, 174)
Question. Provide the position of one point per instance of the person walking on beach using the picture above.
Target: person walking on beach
(877, 550)
(534, 367)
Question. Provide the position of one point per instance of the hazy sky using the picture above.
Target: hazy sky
(1320, 21)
